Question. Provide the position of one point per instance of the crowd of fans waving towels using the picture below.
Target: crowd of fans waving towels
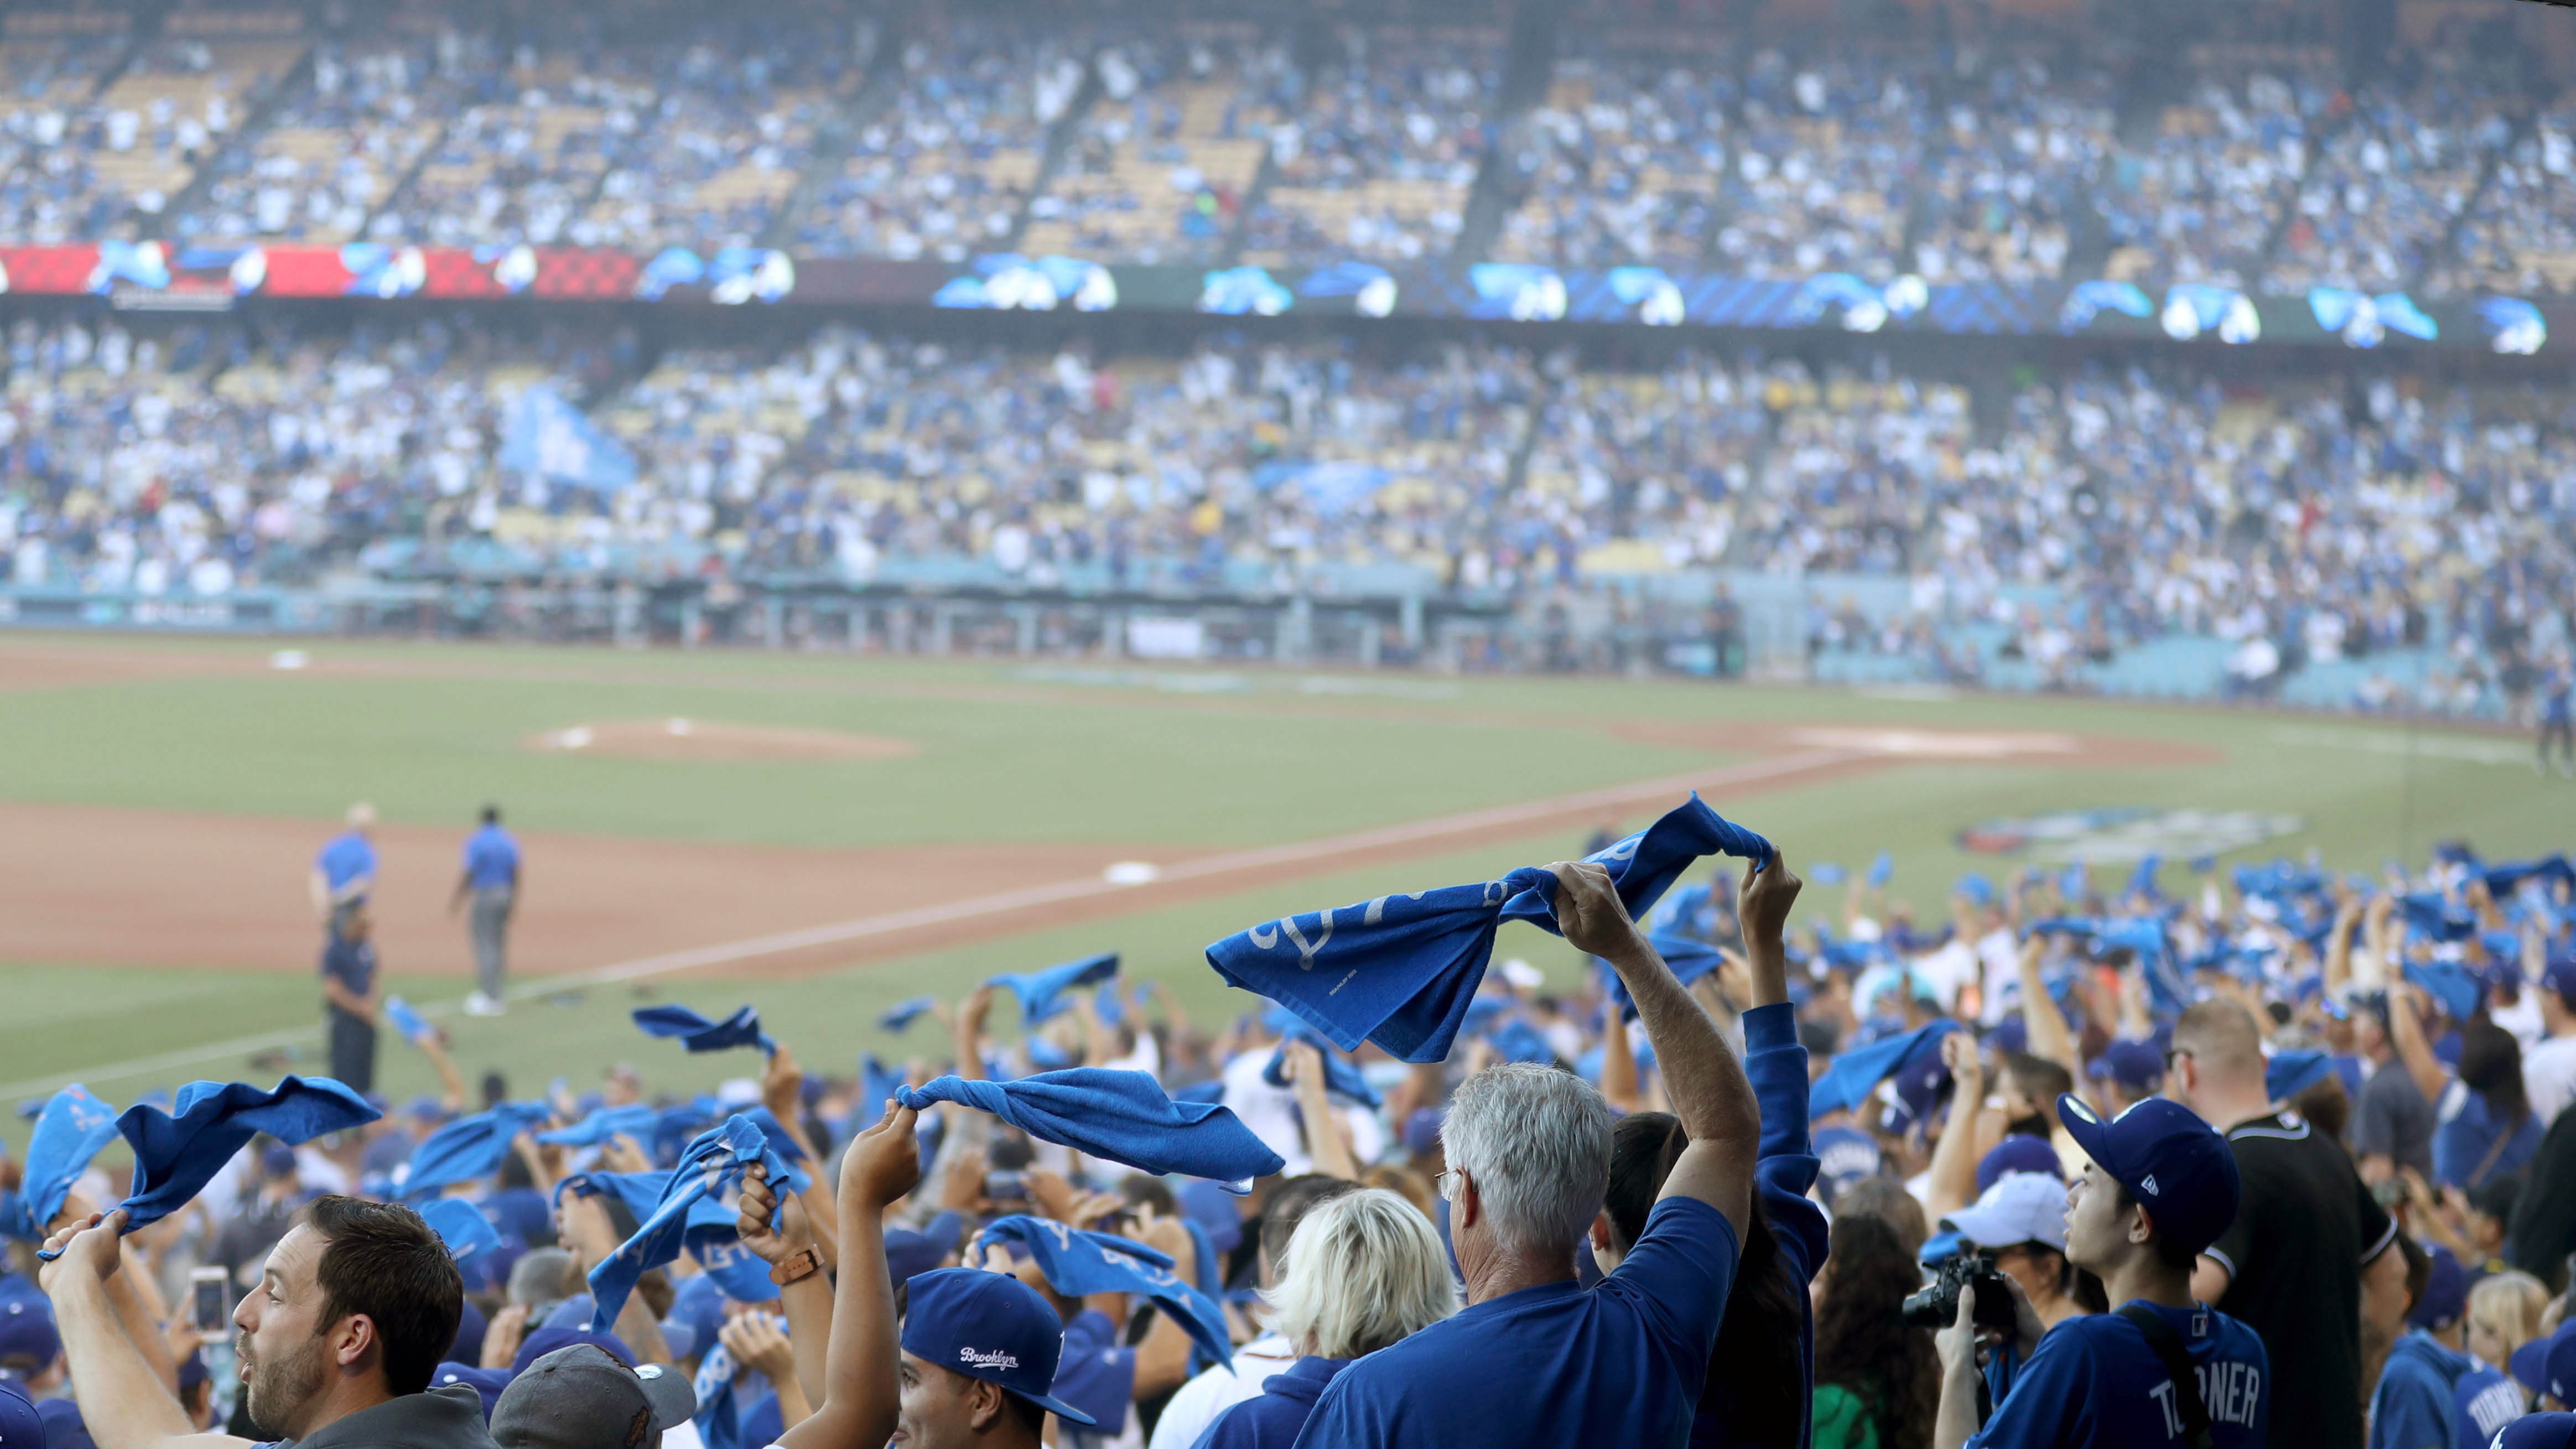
(2072, 1171)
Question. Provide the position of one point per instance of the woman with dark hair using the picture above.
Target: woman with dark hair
(2486, 1128)
(1878, 1382)
(1756, 1393)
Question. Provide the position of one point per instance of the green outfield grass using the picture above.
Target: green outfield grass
(1015, 753)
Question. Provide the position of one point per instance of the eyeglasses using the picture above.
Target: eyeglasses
(1442, 1184)
(2171, 1053)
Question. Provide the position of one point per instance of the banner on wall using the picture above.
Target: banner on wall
(154, 274)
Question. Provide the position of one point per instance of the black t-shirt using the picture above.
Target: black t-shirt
(2304, 1225)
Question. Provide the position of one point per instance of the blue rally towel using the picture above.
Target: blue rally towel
(406, 1021)
(2452, 986)
(701, 1035)
(461, 1226)
(1077, 1264)
(1041, 993)
(177, 1153)
(467, 1148)
(877, 1086)
(2429, 915)
(1122, 1116)
(1856, 1073)
(635, 1120)
(69, 1132)
(1341, 1075)
(712, 1164)
(2144, 937)
(901, 1016)
(2289, 1073)
(1688, 960)
(2503, 880)
(1882, 869)
(1401, 969)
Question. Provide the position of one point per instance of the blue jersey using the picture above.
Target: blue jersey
(491, 858)
(2095, 1383)
(347, 859)
(1556, 1364)
(2482, 1402)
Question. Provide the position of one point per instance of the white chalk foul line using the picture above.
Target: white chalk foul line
(1003, 902)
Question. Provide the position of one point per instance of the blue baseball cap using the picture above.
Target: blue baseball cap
(2529, 1365)
(2019, 1153)
(2538, 1431)
(2446, 1292)
(27, 1331)
(486, 1383)
(546, 1340)
(989, 1326)
(2558, 1366)
(19, 1423)
(2177, 1166)
(2137, 1065)
(2560, 976)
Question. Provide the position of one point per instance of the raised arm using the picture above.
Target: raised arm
(782, 1091)
(1708, 1088)
(1619, 1064)
(859, 1390)
(2339, 944)
(592, 1238)
(2406, 1033)
(123, 1401)
(1325, 1142)
(2051, 1039)
(1954, 1158)
(776, 1237)
(451, 1082)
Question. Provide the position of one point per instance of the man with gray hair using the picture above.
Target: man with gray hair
(1534, 1359)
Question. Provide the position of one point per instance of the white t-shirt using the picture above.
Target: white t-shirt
(1199, 1402)
(2549, 1077)
(1269, 1111)
(2001, 958)
(2522, 1019)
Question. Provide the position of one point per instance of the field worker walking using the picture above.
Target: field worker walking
(345, 871)
(490, 882)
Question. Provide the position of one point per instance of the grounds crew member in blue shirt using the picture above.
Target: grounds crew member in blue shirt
(2161, 1187)
(345, 871)
(1535, 1359)
(491, 881)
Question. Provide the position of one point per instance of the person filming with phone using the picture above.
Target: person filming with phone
(2161, 1369)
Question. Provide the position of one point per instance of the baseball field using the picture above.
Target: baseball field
(825, 835)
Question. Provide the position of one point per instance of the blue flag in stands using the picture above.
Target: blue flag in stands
(1400, 970)
(1078, 1264)
(1855, 1074)
(461, 1226)
(698, 1034)
(177, 1153)
(713, 1163)
(902, 1014)
(1122, 1116)
(1041, 993)
(467, 1148)
(635, 1120)
(69, 1132)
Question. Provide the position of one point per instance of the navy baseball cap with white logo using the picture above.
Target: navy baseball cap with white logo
(2177, 1166)
(988, 1326)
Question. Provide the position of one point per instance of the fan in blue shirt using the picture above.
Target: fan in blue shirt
(2161, 1187)
(345, 871)
(1536, 1359)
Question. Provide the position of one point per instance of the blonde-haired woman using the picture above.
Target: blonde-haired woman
(2504, 1314)
(1365, 1270)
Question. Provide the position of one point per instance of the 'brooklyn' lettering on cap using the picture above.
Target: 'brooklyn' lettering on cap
(997, 1359)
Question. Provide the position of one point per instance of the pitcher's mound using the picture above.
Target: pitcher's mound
(713, 740)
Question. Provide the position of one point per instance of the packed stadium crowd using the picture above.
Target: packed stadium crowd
(1964, 157)
(2314, 524)
(2282, 1152)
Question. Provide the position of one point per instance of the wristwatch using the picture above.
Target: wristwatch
(802, 1263)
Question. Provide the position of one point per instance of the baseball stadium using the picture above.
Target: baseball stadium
(1223, 724)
